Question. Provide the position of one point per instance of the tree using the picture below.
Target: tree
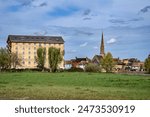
(107, 62)
(54, 57)
(41, 56)
(4, 59)
(91, 67)
(147, 64)
(15, 60)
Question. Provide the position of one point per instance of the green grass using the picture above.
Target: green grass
(36, 85)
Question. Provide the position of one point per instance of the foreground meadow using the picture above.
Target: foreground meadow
(36, 85)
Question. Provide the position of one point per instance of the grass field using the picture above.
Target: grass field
(36, 85)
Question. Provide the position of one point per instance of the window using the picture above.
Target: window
(34, 44)
(16, 48)
(29, 62)
(34, 48)
(29, 48)
(29, 52)
(34, 53)
(23, 62)
(29, 57)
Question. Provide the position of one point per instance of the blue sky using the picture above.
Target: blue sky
(125, 23)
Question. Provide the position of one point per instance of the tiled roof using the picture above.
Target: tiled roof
(43, 39)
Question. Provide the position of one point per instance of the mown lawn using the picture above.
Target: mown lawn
(36, 85)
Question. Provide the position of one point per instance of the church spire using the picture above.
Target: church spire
(102, 51)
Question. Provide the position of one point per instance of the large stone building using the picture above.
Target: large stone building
(26, 48)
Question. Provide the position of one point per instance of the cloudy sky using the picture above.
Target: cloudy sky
(125, 23)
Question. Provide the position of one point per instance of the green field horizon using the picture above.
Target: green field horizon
(73, 86)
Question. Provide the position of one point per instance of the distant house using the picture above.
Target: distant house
(126, 61)
(80, 62)
(137, 66)
(119, 65)
(68, 64)
(96, 59)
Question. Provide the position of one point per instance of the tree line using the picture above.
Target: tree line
(107, 63)
(54, 58)
(11, 60)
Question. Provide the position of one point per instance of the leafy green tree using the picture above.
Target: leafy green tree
(4, 59)
(107, 62)
(91, 67)
(54, 57)
(41, 56)
(147, 64)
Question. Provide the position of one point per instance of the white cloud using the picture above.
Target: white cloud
(84, 44)
(95, 47)
(111, 41)
(71, 51)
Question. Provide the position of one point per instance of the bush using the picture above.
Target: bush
(60, 70)
(75, 70)
(92, 68)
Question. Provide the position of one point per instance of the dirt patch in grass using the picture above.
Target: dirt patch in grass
(3, 82)
(77, 88)
(2, 86)
(29, 85)
(50, 85)
(20, 88)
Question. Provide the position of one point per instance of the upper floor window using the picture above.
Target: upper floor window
(34, 62)
(23, 62)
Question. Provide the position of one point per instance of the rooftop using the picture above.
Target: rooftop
(27, 38)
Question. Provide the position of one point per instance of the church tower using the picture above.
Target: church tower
(102, 51)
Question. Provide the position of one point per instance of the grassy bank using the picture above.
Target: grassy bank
(36, 85)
